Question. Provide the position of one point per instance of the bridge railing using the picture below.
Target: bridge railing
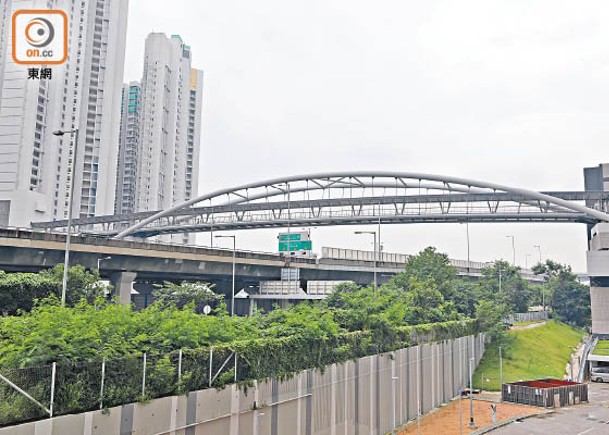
(389, 257)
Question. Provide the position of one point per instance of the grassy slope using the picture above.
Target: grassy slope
(540, 352)
(602, 348)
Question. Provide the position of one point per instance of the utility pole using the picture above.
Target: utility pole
(543, 293)
(467, 233)
(513, 250)
(234, 237)
(500, 369)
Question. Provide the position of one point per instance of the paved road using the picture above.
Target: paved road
(588, 419)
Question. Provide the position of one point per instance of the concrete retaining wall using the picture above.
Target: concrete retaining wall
(350, 398)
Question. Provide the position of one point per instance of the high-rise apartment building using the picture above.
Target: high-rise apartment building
(126, 174)
(167, 105)
(167, 93)
(84, 93)
(195, 108)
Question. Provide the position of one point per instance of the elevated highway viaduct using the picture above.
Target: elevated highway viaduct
(139, 264)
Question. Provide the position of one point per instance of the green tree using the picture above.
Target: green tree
(569, 299)
(549, 268)
(464, 294)
(427, 305)
(303, 319)
(428, 265)
(359, 309)
(502, 283)
(491, 317)
(434, 267)
(82, 284)
(179, 295)
(19, 291)
(354, 308)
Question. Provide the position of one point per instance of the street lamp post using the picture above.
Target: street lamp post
(375, 252)
(571, 362)
(232, 307)
(467, 234)
(513, 250)
(66, 259)
(394, 380)
(472, 425)
(543, 294)
(539, 249)
(500, 370)
(99, 260)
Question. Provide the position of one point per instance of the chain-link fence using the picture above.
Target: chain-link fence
(25, 394)
(33, 393)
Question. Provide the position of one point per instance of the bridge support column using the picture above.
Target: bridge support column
(598, 270)
(123, 284)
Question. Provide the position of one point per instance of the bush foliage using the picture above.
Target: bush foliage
(427, 302)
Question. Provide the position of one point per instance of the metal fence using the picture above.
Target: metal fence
(33, 393)
(531, 316)
(389, 257)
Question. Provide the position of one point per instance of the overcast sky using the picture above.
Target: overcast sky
(511, 92)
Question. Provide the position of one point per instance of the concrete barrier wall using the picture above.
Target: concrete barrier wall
(355, 397)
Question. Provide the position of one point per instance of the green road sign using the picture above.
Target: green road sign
(305, 245)
(290, 237)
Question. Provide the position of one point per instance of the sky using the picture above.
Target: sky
(511, 92)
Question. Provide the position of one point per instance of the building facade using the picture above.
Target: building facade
(169, 106)
(596, 178)
(126, 174)
(83, 93)
(169, 128)
(195, 109)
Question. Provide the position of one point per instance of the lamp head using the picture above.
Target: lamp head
(58, 132)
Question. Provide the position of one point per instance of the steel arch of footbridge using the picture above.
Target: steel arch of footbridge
(349, 198)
